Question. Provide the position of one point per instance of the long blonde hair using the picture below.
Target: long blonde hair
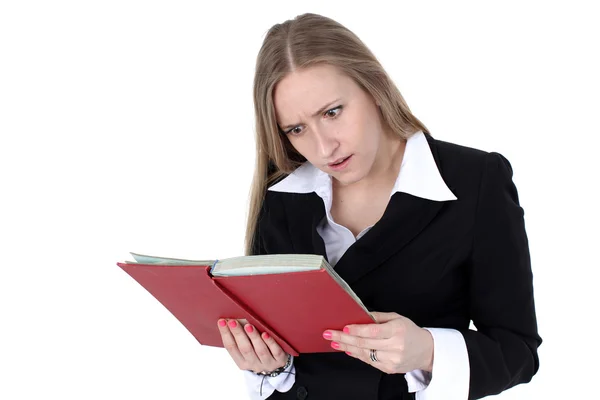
(307, 40)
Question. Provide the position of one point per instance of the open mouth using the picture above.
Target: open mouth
(341, 164)
(341, 161)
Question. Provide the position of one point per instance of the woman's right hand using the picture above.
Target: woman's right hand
(250, 350)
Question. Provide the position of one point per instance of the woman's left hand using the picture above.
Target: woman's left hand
(400, 345)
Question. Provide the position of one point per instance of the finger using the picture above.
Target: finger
(342, 341)
(243, 342)
(365, 356)
(278, 353)
(374, 331)
(261, 349)
(230, 344)
(356, 352)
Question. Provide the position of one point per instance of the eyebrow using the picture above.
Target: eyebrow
(319, 111)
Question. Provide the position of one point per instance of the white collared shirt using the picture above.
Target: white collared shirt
(418, 176)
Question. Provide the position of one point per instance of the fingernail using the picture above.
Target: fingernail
(222, 323)
(335, 345)
(249, 328)
(266, 336)
(346, 329)
(327, 335)
(232, 323)
(348, 353)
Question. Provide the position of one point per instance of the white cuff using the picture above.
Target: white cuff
(449, 379)
(417, 380)
(282, 382)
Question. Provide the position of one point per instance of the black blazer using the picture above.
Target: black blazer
(441, 264)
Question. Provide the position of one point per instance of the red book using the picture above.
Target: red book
(293, 297)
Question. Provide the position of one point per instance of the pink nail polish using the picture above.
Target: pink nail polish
(327, 335)
(222, 323)
(266, 336)
(346, 329)
(348, 353)
(335, 345)
(249, 328)
(232, 323)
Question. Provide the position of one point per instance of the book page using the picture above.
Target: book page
(267, 264)
(260, 270)
(145, 259)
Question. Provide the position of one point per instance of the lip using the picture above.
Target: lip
(342, 165)
(337, 161)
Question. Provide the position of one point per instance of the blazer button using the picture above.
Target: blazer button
(301, 393)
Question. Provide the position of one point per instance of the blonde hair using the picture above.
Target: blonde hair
(307, 40)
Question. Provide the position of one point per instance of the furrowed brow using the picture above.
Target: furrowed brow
(319, 111)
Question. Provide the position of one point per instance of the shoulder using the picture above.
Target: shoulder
(454, 154)
(464, 167)
(459, 155)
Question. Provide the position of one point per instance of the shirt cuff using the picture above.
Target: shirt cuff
(451, 372)
(282, 382)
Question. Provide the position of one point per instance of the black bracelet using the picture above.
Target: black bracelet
(279, 370)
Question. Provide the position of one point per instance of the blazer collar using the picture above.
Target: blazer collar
(418, 176)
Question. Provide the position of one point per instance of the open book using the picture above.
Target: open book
(293, 297)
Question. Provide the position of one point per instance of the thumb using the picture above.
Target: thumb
(381, 317)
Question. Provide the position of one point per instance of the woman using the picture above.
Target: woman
(429, 234)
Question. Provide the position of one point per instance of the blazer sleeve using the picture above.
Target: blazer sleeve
(503, 350)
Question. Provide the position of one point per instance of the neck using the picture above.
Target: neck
(385, 169)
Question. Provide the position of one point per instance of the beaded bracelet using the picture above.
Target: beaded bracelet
(279, 370)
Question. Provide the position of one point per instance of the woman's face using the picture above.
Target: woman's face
(328, 117)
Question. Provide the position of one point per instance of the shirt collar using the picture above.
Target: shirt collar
(418, 176)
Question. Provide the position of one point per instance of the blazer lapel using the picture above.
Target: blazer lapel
(404, 218)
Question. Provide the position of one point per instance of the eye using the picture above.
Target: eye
(336, 109)
(293, 131)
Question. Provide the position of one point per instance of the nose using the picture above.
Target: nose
(326, 142)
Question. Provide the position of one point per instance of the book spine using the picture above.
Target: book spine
(213, 267)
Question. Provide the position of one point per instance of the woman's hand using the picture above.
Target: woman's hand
(250, 350)
(401, 346)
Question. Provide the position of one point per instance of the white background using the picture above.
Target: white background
(128, 126)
